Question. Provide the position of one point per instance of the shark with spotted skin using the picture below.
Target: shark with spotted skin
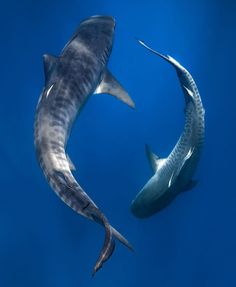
(173, 175)
(70, 80)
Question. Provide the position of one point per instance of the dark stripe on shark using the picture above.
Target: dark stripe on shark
(174, 173)
(70, 79)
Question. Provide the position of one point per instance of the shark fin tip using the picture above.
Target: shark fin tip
(109, 85)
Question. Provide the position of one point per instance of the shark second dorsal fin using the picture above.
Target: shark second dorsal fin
(154, 160)
(109, 85)
(49, 63)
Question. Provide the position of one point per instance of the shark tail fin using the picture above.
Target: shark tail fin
(167, 58)
(109, 243)
(122, 239)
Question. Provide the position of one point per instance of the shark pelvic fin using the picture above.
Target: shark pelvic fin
(71, 165)
(154, 159)
(109, 85)
(49, 63)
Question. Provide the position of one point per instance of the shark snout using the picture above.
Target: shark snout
(138, 209)
(100, 19)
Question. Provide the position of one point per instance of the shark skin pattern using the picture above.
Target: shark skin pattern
(70, 80)
(173, 175)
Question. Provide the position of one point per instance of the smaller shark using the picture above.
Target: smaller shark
(173, 174)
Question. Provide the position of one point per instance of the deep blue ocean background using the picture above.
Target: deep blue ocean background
(192, 242)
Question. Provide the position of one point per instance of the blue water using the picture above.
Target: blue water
(193, 241)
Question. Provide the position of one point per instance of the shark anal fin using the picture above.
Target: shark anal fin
(154, 159)
(192, 183)
(109, 85)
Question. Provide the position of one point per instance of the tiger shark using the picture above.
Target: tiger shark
(70, 80)
(173, 175)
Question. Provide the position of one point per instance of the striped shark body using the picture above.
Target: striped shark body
(70, 80)
(173, 174)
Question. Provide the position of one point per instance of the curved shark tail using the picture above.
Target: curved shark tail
(108, 246)
(168, 58)
(109, 242)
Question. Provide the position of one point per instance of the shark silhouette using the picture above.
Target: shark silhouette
(173, 174)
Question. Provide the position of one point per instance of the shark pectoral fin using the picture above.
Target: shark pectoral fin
(109, 85)
(154, 159)
(49, 63)
(182, 166)
(192, 183)
(71, 165)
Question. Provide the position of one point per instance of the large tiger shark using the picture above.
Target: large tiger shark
(70, 80)
(173, 175)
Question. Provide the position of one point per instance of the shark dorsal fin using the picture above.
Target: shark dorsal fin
(154, 159)
(109, 85)
(49, 63)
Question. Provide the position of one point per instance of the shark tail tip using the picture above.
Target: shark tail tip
(168, 58)
(109, 246)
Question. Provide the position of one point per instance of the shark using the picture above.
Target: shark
(173, 174)
(70, 79)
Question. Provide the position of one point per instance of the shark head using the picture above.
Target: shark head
(147, 200)
(159, 191)
(152, 197)
(95, 34)
(163, 186)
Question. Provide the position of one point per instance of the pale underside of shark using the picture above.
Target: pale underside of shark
(173, 174)
(70, 80)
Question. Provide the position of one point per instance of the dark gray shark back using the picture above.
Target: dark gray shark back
(95, 34)
(69, 81)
